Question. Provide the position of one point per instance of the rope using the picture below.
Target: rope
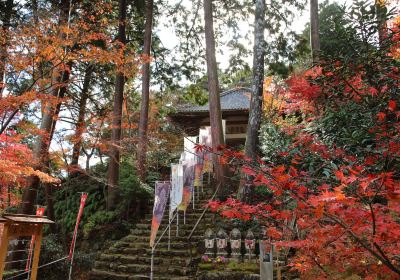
(15, 261)
(41, 266)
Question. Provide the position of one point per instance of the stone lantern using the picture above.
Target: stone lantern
(209, 242)
(250, 244)
(222, 243)
(236, 243)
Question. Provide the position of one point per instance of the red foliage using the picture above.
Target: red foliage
(348, 221)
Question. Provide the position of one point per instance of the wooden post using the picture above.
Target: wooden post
(3, 249)
(35, 262)
(279, 273)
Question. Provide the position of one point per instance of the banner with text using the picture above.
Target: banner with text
(189, 144)
(188, 180)
(176, 187)
(198, 175)
(161, 193)
(206, 140)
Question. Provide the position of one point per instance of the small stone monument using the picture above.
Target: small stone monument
(236, 244)
(222, 243)
(266, 257)
(250, 245)
(209, 242)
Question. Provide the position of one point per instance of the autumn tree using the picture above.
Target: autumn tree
(335, 174)
(50, 114)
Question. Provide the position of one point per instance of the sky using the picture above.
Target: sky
(169, 39)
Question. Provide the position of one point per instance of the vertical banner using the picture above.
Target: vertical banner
(205, 140)
(161, 194)
(39, 212)
(189, 144)
(182, 157)
(224, 129)
(202, 141)
(198, 175)
(188, 180)
(78, 219)
(176, 187)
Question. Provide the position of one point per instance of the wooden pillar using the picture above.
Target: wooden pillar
(36, 253)
(3, 249)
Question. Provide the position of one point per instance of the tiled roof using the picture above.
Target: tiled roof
(233, 99)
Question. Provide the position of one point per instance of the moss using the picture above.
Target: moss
(232, 266)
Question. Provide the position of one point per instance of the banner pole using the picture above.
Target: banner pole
(169, 232)
(72, 260)
(73, 242)
(152, 263)
(177, 223)
(194, 195)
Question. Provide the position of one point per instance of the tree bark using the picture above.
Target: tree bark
(314, 31)
(114, 153)
(80, 125)
(49, 118)
(213, 88)
(6, 19)
(144, 109)
(381, 20)
(255, 114)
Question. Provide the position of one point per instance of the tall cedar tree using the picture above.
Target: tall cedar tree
(48, 123)
(114, 153)
(213, 87)
(6, 21)
(314, 36)
(255, 114)
(144, 109)
(80, 124)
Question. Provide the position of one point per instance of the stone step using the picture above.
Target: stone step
(145, 229)
(98, 274)
(187, 226)
(146, 238)
(189, 215)
(134, 259)
(163, 225)
(146, 251)
(129, 269)
(163, 244)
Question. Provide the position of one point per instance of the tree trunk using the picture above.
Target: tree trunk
(255, 114)
(381, 11)
(144, 110)
(314, 30)
(6, 19)
(80, 125)
(114, 153)
(213, 87)
(50, 114)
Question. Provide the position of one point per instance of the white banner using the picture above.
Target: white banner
(189, 144)
(176, 187)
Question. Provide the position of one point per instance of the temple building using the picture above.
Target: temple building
(235, 105)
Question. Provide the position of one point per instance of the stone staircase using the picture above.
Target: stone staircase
(130, 257)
